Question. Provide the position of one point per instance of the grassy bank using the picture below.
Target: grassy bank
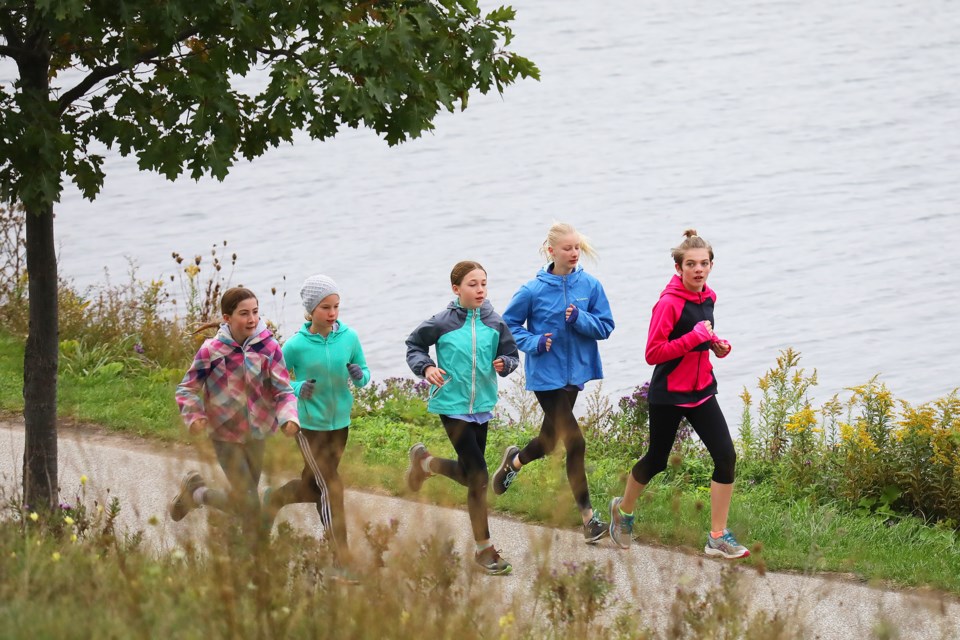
(794, 533)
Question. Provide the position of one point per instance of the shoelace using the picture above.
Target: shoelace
(626, 522)
(508, 479)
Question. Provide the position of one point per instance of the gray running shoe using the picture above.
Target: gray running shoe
(621, 525)
(505, 474)
(415, 473)
(594, 530)
(491, 562)
(726, 546)
(183, 503)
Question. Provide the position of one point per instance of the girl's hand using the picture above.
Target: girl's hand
(498, 365)
(721, 348)
(572, 311)
(434, 375)
(306, 389)
(199, 426)
(544, 343)
(290, 428)
(355, 371)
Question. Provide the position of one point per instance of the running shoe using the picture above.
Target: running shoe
(505, 474)
(621, 525)
(726, 546)
(594, 530)
(491, 562)
(183, 503)
(415, 473)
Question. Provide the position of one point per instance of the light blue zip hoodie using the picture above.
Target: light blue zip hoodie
(467, 342)
(539, 307)
(311, 356)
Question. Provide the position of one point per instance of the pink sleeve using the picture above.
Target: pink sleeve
(190, 390)
(659, 347)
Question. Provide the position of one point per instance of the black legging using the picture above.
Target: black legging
(559, 422)
(707, 420)
(469, 469)
(319, 481)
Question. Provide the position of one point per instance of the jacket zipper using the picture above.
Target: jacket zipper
(696, 382)
(563, 279)
(473, 369)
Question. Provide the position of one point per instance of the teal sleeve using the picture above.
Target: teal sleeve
(359, 359)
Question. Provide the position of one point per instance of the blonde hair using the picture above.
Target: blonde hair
(559, 230)
(691, 241)
(461, 269)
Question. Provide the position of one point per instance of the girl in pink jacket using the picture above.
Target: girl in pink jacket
(683, 385)
(237, 391)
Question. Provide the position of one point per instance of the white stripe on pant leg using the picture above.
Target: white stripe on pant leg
(326, 515)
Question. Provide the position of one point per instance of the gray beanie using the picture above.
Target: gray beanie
(316, 288)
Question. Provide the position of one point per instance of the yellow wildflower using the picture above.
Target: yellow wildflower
(83, 480)
(404, 616)
(69, 520)
(73, 538)
(34, 516)
(56, 556)
(191, 270)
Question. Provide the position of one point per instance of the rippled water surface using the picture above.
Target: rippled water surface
(815, 144)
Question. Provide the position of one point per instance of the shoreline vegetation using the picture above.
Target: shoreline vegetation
(866, 487)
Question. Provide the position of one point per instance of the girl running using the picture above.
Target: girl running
(325, 357)
(683, 385)
(237, 390)
(473, 345)
(557, 319)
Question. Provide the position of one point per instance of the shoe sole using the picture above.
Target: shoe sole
(409, 475)
(507, 453)
(184, 487)
(717, 553)
(495, 572)
(600, 536)
(615, 505)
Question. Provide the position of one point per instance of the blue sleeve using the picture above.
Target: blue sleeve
(359, 359)
(418, 346)
(515, 316)
(597, 321)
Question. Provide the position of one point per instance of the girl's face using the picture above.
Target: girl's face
(472, 290)
(244, 319)
(566, 253)
(694, 269)
(327, 312)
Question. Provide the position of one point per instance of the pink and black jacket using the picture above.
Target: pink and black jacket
(679, 345)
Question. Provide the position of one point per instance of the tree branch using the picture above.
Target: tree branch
(9, 30)
(102, 73)
(12, 52)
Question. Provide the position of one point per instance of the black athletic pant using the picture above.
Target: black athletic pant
(469, 440)
(560, 423)
(319, 481)
(242, 463)
(707, 420)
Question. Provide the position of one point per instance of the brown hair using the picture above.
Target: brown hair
(461, 269)
(560, 229)
(692, 241)
(229, 302)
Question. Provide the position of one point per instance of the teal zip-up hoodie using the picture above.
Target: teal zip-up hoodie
(310, 356)
(467, 342)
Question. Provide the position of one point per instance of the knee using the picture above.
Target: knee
(478, 478)
(646, 468)
(724, 468)
(575, 443)
(548, 443)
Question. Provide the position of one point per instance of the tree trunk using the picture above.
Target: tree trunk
(40, 483)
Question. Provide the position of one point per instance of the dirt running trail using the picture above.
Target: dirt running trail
(144, 476)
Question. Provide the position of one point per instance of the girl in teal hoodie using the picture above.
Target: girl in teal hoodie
(473, 346)
(326, 358)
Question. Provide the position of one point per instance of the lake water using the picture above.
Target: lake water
(815, 144)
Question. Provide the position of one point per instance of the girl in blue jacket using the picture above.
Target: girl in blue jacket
(473, 345)
(326, 359)
(557, 319)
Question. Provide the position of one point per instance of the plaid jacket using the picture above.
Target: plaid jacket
(243, 390)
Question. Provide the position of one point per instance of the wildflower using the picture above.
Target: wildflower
(286, 610)
(506, 620)
(56, 556)
(34, 516)
(99, 508)
(69, 520)
(73, 538)
(191, 270)
(138, 348)
(404, 616)
(83, 480)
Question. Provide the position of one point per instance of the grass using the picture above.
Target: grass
(789, 535)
